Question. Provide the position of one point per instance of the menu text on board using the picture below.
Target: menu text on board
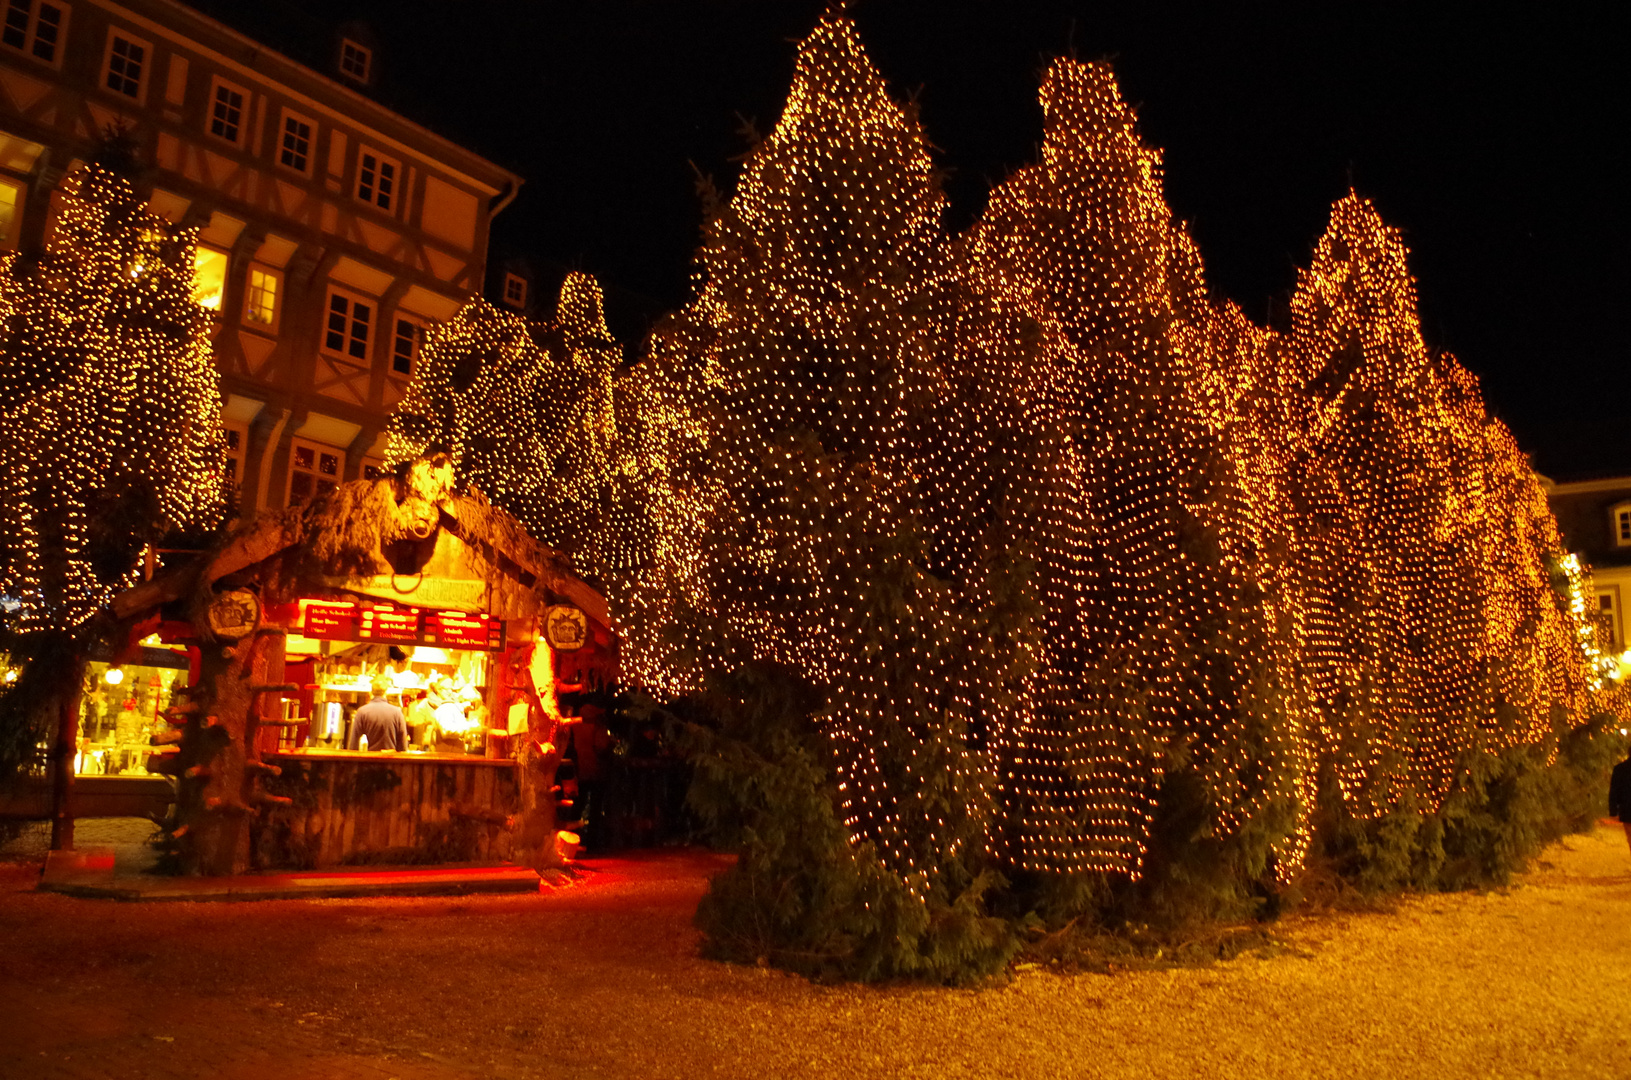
(326, 620)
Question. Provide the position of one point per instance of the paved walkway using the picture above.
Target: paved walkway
(601, 979)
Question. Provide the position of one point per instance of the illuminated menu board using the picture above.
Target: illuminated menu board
(329, 621)
(399, 626)
(332, 622)
(457, 630)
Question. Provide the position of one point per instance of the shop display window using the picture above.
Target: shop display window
(122, 709)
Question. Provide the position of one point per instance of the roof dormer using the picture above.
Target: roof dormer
(356, 55)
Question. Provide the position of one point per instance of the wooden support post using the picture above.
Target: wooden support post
(63, 748)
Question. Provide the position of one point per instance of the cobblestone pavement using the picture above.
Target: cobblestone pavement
(601, 979)
(33, 838)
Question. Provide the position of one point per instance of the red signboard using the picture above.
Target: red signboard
(399, 626)
(332, 622)
(457, 630)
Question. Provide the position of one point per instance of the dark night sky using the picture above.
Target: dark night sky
(1488, 136)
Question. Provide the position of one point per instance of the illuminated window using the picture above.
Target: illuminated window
(1608, 618)
(294, 149)
(355, 60)
(209, 277)
(515, 290)
(237, 442)
(261, 298)
(314, 469)
(346, 326)
(227, 111)
(376, 179)
(11, 205)
(404, 346)
(125, 71)
(35, 28)
(1621, 514)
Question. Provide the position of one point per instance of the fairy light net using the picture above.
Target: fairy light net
(1043, 521)
(110, 404)
(526, 412)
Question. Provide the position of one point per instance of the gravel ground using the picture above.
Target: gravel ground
(601, 979)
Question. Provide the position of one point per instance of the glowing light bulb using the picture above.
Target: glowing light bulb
(114, 676)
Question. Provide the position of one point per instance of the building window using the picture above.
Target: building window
(127, 64)
(376, 179)
(314, 470)
(405, 346)
(11, 206)
(35, 28)
(1608, 619)
(374, 469)
(261, 298)
(227, 111)
(294, 150)
(515, 290)
(347, 326)
(355, 60)
(209, 277)
(237, 443)
(1622, 524)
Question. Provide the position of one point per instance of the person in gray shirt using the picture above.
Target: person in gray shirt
(382, 722)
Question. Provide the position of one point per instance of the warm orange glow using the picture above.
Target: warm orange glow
(526, 413)
(1043, 520)
(110, 403)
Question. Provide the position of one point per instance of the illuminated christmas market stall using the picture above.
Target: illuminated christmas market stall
(431, 605)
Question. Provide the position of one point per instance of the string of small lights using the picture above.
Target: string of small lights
(1045, 522)
(1250, 554)
(787, 411)
(526, 411)
(110, 404)
(1164, 626)
(1440, 608)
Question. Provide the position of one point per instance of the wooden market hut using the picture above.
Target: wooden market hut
(289, 617)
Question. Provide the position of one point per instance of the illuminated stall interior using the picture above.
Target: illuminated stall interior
(288, 623)
(440, 665)
(122, 707)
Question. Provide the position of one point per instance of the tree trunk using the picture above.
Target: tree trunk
(219, 759)
(63, 748)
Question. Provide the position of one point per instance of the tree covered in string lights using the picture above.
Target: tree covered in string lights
(1447, 642)
(800, 397)
(1050, 564)
(527, 413)
(110, 416)
(1169, 659)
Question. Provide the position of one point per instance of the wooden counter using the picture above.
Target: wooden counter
(323, 754)
(352, 808)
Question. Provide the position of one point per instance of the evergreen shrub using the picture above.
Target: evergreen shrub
(801, 896)
(1508, 804)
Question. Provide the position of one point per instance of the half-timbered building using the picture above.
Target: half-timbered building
(333, 230)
